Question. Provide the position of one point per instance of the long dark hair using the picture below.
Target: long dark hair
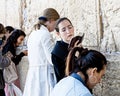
(84, 60)
(12, 40)
(9, 29)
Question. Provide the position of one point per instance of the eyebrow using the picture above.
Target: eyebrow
(68, 26)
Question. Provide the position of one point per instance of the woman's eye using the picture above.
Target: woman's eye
(63, 30)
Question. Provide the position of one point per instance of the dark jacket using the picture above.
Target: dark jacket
(59, 55)
(16, 58)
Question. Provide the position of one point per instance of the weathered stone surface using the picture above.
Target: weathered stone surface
(98, 19)
(10, 13)
(83, 15)
(2, 11)
(111, 25)
(110, 85)
(23, 68)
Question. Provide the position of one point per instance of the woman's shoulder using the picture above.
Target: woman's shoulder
(77, 87)
(60, 50)
(60, 45)
(81, 89)
(43, 28)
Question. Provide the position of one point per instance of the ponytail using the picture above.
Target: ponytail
(41, 21)
(71, 62)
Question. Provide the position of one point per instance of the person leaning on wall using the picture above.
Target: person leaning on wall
(41, 77)
(83, 70)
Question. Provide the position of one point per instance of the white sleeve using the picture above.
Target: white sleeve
(48, 45)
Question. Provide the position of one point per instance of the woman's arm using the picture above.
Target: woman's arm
(48, 45)
(4, 61)
(16, 59)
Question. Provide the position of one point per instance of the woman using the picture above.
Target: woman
(83, 70)
(13, 41)
(65, 30)
(40, 78)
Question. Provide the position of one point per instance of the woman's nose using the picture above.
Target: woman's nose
(68, 31)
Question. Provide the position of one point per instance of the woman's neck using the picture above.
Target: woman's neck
(81, 75)
(66, 41)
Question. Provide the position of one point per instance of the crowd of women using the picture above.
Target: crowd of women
(62, 68)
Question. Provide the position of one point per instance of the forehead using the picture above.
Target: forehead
(21, 37)
(64, 23)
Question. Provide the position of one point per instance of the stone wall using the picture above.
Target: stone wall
(98, 19)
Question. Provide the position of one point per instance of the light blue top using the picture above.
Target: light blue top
(71, 86)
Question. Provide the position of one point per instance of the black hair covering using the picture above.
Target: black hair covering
(43, 18)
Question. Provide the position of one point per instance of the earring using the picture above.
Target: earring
(92, 79)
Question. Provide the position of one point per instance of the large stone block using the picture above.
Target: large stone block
(110, 84)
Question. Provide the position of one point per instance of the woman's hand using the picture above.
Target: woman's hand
(25, 52)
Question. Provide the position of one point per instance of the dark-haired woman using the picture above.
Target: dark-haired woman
(13, 41)
(65, 30)
(83, 70)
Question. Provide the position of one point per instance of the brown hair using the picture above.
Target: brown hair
(51, 13)
(2, 29)
(74, 40)
(48, 14)
(41, 21)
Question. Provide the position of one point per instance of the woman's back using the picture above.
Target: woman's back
(70, 87)
(36, 49)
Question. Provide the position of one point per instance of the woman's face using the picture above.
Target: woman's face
(66, 31)
(50, 25)
(20, 40)
(94, 77)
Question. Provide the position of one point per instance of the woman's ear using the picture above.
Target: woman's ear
(93, 71)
